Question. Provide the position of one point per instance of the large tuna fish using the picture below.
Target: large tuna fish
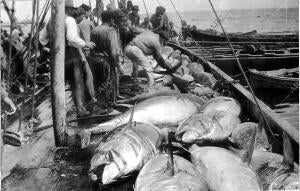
(226, 104)
(223, 170)
(156, 176)
(214, 126)
(126, 150)
(160, 111)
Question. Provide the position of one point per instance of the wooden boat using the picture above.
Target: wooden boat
(201, 35)
(287, 79)
(31, 161)
(273, 58)
(245, 97)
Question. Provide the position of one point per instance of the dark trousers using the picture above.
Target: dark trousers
(74, 75)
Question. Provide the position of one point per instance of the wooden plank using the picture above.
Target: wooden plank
(273, 119)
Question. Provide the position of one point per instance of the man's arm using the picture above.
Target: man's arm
(43, 36)
(72, 34)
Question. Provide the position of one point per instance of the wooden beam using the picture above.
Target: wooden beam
(57, 58)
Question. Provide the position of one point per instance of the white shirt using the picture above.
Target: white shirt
(72, 34)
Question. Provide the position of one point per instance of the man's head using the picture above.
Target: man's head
(86, 8)
(160, 10)
(120, 18)
(79, 14)
(135, 9)
(129, 5)
(107, 17)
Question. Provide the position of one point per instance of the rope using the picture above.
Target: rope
(190, 32)
(146, 8)
(29, 51)
(35, 59)
(10, 42)
(240, 67)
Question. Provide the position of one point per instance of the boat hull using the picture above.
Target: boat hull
(260, 80)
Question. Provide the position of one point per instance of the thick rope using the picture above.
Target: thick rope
(242, 70)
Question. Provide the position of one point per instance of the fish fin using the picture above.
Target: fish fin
(129, 124)
(178, 93)
(261, 123)
(288, 154)
(85, 138)
(247, 155)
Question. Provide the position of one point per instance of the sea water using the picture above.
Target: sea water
(262, 20)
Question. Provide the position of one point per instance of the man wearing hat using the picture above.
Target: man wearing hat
(134, 16)
(73, 64)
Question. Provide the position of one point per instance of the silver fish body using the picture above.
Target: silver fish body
(223, 170)
(155, 176)
(124, 152)
(213, 126)
(221, 103)
(160, 111)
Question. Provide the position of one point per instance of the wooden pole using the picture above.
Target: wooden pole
(1, 133)
(57, 57)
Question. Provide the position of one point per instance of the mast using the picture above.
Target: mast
(57, 58)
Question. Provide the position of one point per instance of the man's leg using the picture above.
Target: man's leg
(137, 57)
(89, 81)
(78, 88)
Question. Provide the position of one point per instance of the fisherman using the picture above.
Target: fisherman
(73, 64)
(141, 44)
(134, 16)
(86, 26)
(146, 24)
(160, 23)
(129, 7)
(107, 54)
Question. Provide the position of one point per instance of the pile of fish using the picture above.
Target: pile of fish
(224, 152)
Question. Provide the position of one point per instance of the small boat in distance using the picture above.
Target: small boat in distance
(286, 79)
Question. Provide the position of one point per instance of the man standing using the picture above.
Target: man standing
(107, 54)
(73, 67)
(134, 16)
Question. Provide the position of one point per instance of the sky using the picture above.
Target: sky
(24, 7)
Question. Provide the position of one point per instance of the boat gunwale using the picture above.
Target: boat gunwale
(273, 118)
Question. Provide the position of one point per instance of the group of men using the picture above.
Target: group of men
(95, 54)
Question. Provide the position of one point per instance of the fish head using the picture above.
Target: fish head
(114, 169)
(98, 162)
(189, 137)
(110, 173)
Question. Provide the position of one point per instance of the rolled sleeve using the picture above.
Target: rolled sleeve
(43, 36)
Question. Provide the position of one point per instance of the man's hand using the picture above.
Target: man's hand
(11, 111)
(89, 45)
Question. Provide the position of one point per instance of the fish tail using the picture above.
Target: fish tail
(247, 156)
(85, 138)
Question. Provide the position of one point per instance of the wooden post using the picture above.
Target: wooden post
(57, 57)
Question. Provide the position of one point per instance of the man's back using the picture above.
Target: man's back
(106, 39)
(148, 42)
